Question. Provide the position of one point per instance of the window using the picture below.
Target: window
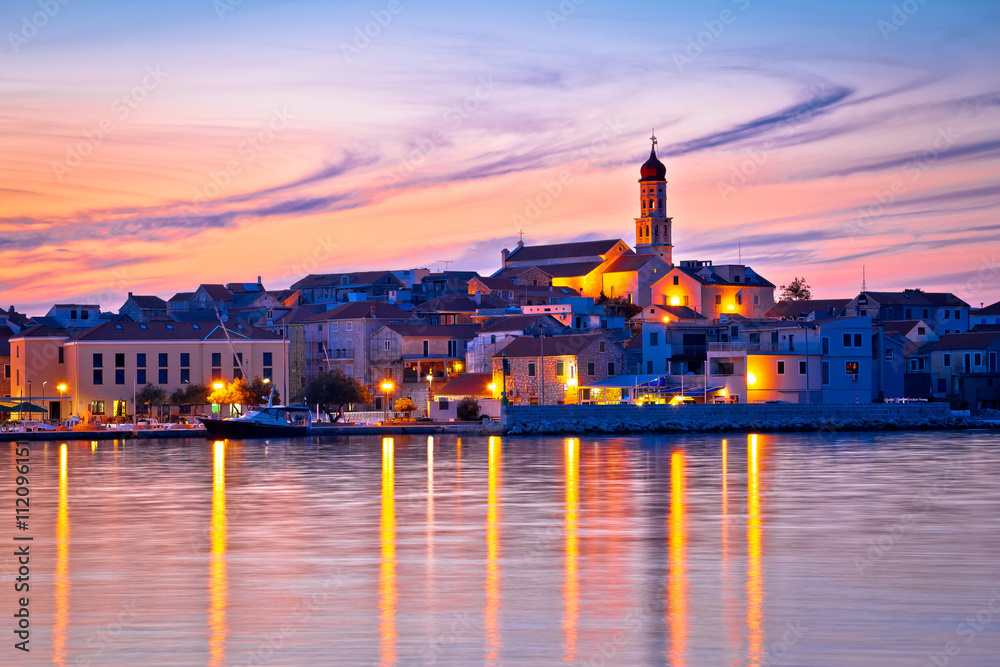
(185, 359)
(851, 367)
(888, 354)
(268, 373)
(140, 376)
(649, 366)
(237, 359)
(781, 368)
(756, 302)
(119, 376)
(531, 370)
(140, 360)
(826, 346)
(334, 326)
(826, 372)
(267, 359)
(216, 358)
(347, 326)
(119, 360)
(755, 337)
(170, 326)
(162, 376)
(61, 356)
(958, 314)
(947, 314)
(590, 368)
(97, 408)
(162, 360)
(802, 368)
(676, 280)
(98, 360)
(602, 346)
(443, 403)
(921, 331)
(978, 359)
(453, 348)
(718, 299)
(493, 339)
(654, 338)
(6, 371)
(561, 368)
(72, 314)
(857, 340)
(185, 376)
(427, 348)
(909, 314)
(98, 376)
(611, 368)
(143, 327)
(84, 314)
(847, 340)
(947, 359)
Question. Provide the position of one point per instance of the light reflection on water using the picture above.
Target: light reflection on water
(622, 551)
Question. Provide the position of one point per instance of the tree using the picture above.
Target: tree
(236, 392)
(334, 389)
(197, 394)
(618, 305)
(405, 404)
(261, 390)
(797, 290)
(468, 409)
(150, 395)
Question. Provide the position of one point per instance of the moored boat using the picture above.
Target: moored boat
(264, 422)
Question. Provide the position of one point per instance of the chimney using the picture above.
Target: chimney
(258, 281)
(504, 254)
(130, 295)
(373, 312)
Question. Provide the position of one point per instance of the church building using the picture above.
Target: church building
(646, 275)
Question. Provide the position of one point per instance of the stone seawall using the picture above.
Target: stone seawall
(553, 419)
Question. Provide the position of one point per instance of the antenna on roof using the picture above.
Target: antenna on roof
(739, 251)
(446, 262)
(864, 281)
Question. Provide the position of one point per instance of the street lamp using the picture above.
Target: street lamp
(45, 382)
(387, 387)
(62, 389)
(29, 399)
(430, 379)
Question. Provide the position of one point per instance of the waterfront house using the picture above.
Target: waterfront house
(499, 332)
(943, 311)
(550, 370)
(964, 368)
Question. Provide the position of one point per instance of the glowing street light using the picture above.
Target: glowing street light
(387, 387)
(430, 379)
(62, 389)
(751, 379)
(218, 385)
(675, 301)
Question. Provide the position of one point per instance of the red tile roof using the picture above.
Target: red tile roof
(467, 331)
(357, 310)
(536, 253)
(804, 307)
(966, 341)
(130, 331)
(571, 344)
(627, 263)
(519, 322)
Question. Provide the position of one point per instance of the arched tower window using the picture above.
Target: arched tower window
(656, 231)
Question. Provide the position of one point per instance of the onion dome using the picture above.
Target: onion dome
(652, 169)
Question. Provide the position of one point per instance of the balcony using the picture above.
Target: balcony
(765, 348)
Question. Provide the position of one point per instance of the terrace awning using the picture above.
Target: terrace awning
(21, 407)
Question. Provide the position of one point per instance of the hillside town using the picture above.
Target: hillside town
(591, 322)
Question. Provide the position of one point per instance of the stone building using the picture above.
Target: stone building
(547, 370)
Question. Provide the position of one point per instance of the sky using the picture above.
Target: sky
(150, 147)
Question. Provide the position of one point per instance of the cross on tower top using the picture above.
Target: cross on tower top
(653, 138)
(520, 234)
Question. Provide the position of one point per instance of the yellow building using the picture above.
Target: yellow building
(712, 291)
(100, 368)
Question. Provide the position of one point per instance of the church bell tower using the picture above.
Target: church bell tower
(652, 230)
